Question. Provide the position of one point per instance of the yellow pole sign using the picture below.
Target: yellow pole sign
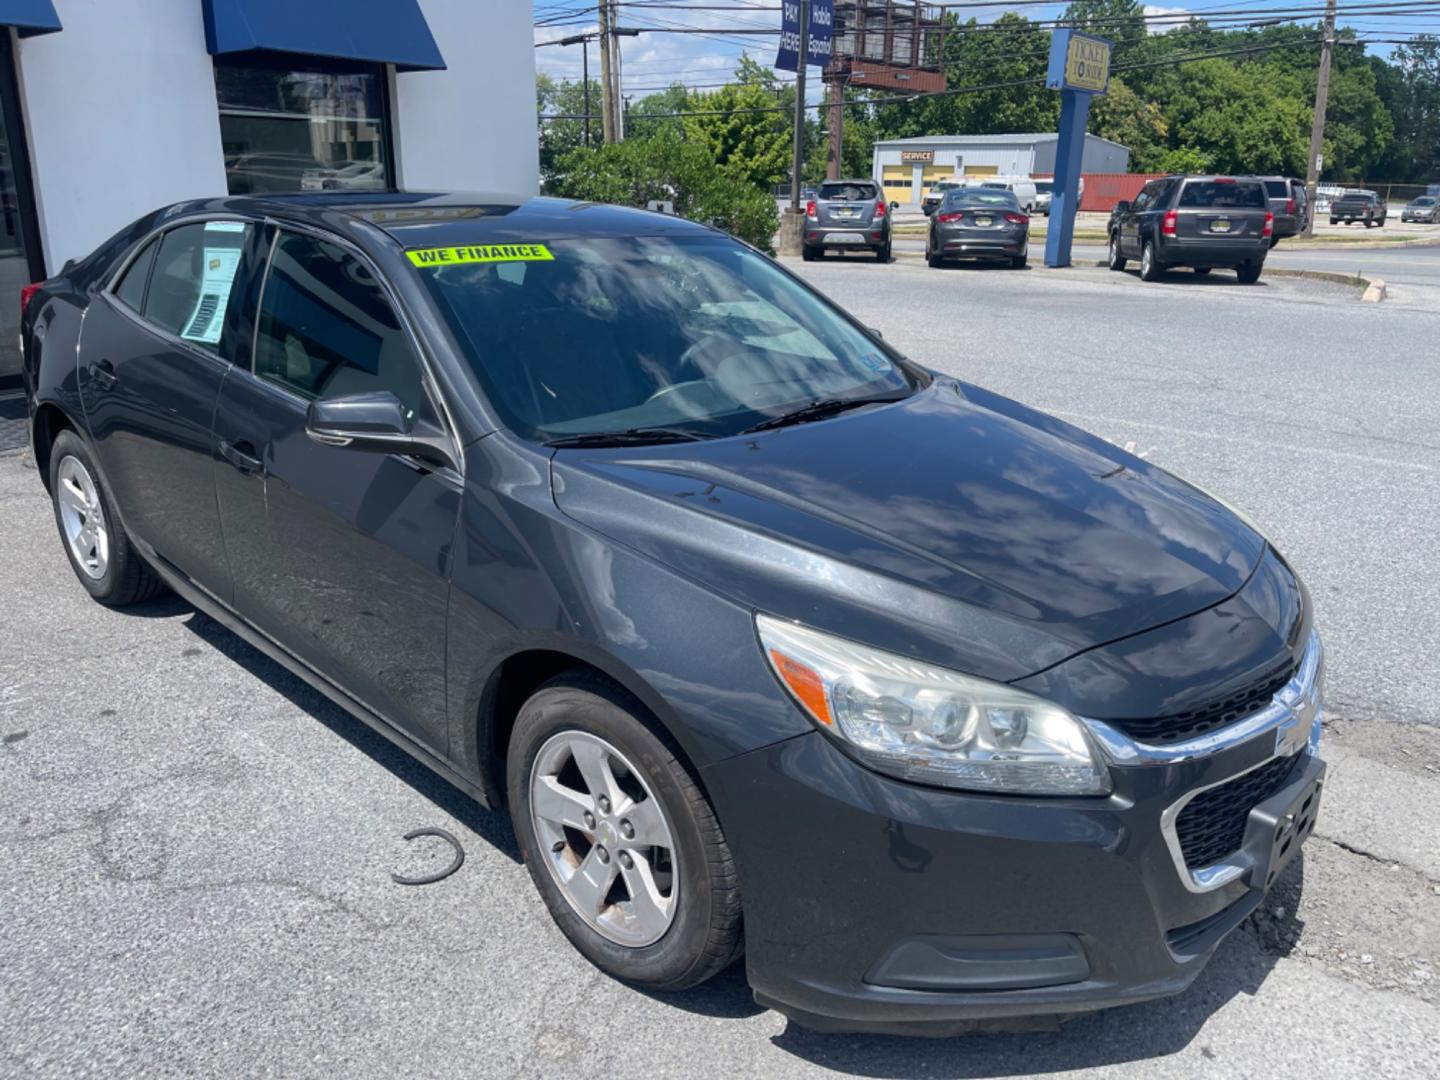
(1087, 64)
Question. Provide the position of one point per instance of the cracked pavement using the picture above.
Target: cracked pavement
(196, 849)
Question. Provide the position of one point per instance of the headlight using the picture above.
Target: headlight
(931, 725)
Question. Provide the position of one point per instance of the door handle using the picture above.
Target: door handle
(241, 455)
(103, 372)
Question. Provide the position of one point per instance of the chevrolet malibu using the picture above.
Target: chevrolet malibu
(771, 640)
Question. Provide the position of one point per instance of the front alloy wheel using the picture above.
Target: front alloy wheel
(604, 838)
(1117, 261)
(621, 842)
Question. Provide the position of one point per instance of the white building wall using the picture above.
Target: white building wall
(472, 126)
(121, 117)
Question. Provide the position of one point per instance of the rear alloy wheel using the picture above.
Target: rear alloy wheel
(619, 840)
(1249, 273)
(95, 542)
(1117, 261)
(1149, 265)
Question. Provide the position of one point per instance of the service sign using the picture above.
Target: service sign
(917, 157)
(1078, 62)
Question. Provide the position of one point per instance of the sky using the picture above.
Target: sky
(653, 61)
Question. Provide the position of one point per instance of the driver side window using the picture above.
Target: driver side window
(327, 328)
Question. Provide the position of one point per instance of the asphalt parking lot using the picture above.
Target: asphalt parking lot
(196, 849)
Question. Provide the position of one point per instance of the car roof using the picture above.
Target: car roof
(445, 219)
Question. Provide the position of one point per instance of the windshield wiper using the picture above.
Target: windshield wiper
(627, 437)
(819, 410)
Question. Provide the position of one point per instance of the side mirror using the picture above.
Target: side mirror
(1122, 206)
(378, 422)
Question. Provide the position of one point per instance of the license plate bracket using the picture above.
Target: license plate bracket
(1283, 829)
(844, 238)
(1220, 225)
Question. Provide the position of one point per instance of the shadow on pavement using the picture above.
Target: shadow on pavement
(492, 827)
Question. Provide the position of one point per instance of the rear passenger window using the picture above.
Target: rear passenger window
(131, 290)
(327, 329)
(192, 280)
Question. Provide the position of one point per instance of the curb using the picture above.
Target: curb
(1374, 292)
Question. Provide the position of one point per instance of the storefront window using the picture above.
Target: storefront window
(19, 262)
(285, 129)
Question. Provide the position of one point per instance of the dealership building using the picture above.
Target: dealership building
(110, 108)
(907, 167)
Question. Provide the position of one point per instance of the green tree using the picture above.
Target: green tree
(674, 168)
(558, 137)
(1124, 117)
(745, 129)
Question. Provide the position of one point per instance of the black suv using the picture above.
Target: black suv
(1364, 206)
(1196, 221)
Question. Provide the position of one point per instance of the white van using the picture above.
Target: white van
(1022, 187)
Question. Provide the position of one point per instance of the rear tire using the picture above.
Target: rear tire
(1249, 273)
(882, 254)
(1117, 261)
(690, 928)
(932, 256)
(1201, 271)
(1018, 262)
(807, 253)
(1334, 221)
(95, 542)
(1150, 268)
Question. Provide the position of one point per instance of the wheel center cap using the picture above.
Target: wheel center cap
(607, 834)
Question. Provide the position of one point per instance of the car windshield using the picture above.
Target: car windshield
(1423, 200)
(849, 192)
(1222, 194)
(1044, 187)
(1001, 200)
(602, 335)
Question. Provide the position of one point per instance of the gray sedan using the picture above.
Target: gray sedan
(1424, 209)
(978, 223)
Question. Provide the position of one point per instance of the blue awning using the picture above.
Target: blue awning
(378, 31)
(29, 16)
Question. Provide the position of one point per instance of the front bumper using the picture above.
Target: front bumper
(876, 905)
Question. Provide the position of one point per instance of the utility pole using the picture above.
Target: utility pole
(1317, 131)
(835, 157)
(616, 99)
(800, 105)
(607, 104)
(585, 75)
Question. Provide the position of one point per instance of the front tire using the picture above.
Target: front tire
(1150, 269)
(99, 550)
(621, 843)
(1117, 260)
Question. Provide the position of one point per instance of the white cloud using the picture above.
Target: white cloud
(1152, 10)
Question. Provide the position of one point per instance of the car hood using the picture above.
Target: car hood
(956, 526)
